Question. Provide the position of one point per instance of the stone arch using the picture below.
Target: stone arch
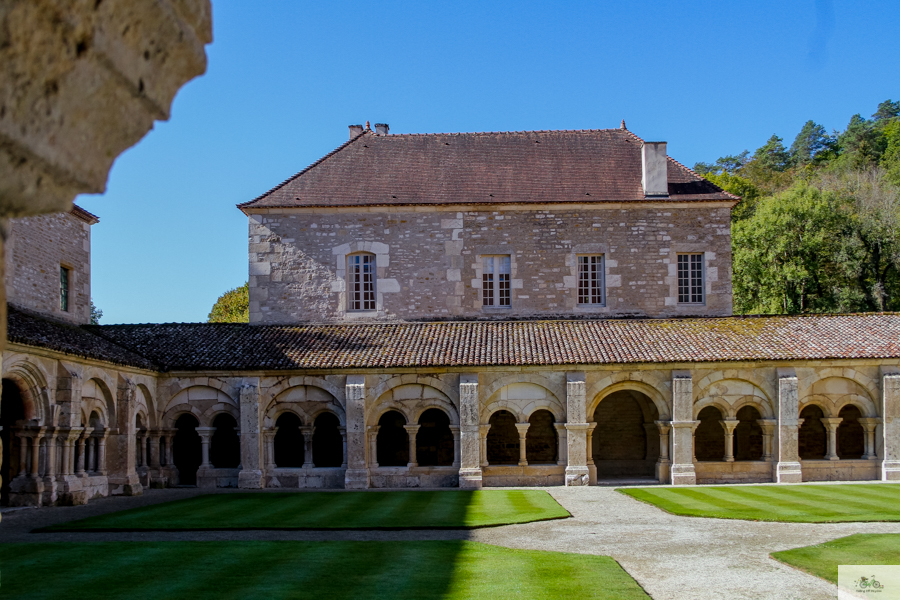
(868, 384)
(834, 390)
(625, 439)
(541, 440)
(411, 396)
(812, 436)
(823, 402)
(502, 438)
(290, 382)
(327, 441)
(607, 386)
(172, 415)
(204, 401)
(392, 440)
(32, 383)
(709, 436)
(305, 401)
(214, 411)
(434, 438)
(274, 413)
(557, 391)
(181, 384)
(142, 392)
(98, 385)
(765, 409)
(730, 394)
(522, 398)
(447, 390)
(727, 410)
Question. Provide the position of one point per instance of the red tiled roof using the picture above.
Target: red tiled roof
(244, 347)
(584, 166)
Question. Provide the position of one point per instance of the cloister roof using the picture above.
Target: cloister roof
(244, 347)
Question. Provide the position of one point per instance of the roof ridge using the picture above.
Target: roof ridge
(308, 168)
(514, 132)
(695, 174)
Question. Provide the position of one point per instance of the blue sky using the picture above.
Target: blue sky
(286, 78)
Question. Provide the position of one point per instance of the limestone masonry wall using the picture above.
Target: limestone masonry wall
(429, 263)
(36, 248)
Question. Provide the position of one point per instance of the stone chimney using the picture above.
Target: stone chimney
(655, 170)
(381, 128)
(355, 130)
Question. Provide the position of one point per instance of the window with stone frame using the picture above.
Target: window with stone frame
(361, 284)
(65, 277)
(591, 280)
(495, 281)
(690, 278)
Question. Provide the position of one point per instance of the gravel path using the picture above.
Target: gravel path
(671, 557)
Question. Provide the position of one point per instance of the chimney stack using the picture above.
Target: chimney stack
(655, 169)
(381, 128)
(355, 130)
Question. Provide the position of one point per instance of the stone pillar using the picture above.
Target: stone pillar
(343, 431)
(154, 450)
(373, 446)
(252, 458)
(870, 425)
(768, 427)
(788, 468)
(170, 441)
(411, 431)
(36, 452)
(483, 432)
(663, 464)
(89, 454)
(471, 449)
(357, 475)
(589, 450)
(831, 424)
(205, 433)
(890, 427)
(728, 425)
(307, 431)
(270, 447)
(561, 444)
(523, 432)
(456, 448)
(66, 466)
(576, 430)
(23, 453)
(123, 478)
(80, 466)
(683, 425)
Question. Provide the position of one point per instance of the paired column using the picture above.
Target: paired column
(561, 444)
(663, 464)
(729, 425)
(683, 426)
(82, 465)
(831, 424)
(523, 434)
(456, 447)
(788, 468)
(483, 432)
(870, 425)
(411, 432)
(768, 428)
(373, 445)
(154, 449)
(269, 435)
(308, 431)
(577, 472)
(890, 428)
(357, 475)
(472, 442)
(343, 431)
(205, 435)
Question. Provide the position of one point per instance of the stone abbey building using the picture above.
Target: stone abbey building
(485, 309)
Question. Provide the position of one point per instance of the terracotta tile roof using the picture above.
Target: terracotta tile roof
(30, 329)
(601, 165)
(243, 347)
(84, 215)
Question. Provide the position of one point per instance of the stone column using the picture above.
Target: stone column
(154, 450)
(270, 447)
(23, 453)
(561, 444)
(205, 433)
(252, 442)
(411, 431)
(483, 432)
(523, 432)
(343, 431)
(89, 454)
(170, 441)
(890, 428)
(788, 468)
(373, 446)
(683, 425)
(66, 467)
(663, 464)
(870, 425)
(589, 451)
(80, 466)
(356, 476)
(101, 451)
(831, 424)
(728, 425)
(123, 478)
(768, 427)
(307, 431)
(576, 430)
(36, 452)
(470, 440)
(456, 447)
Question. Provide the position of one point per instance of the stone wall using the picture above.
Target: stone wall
(429, 262)
(36, 248)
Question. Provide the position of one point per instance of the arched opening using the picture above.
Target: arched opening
(709, 438)
(503, 439)
(92, 444)
(187, 453)
(289, 444)
(392, 441)
(748, 436)
(140, 445)
(327, 443)
(225, 444)
(434, 441)
(625, 441)
(851, 437)
(12, 410)
(813, 437)
(541, 444)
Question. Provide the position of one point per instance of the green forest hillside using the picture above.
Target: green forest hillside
(818, 229)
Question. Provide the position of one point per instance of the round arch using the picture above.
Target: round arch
(662, 407)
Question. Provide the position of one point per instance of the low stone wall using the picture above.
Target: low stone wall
(213, 478)
(840, 470)
(403, 477)
(733, 472)
(315, 478)
(530, 475)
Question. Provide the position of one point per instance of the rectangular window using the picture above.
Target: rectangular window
(590, 279)
(690, 278)
(64, 289)
(362, 281)
(495, 281)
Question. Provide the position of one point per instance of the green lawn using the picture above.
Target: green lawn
(822, 560)
(793, 503)
(458, 509)
(355, 570)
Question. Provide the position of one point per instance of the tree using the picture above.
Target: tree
(232, 307)
(772, 155)
(96, 314)
(739, 186)
(809, 143)
(887, 110)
